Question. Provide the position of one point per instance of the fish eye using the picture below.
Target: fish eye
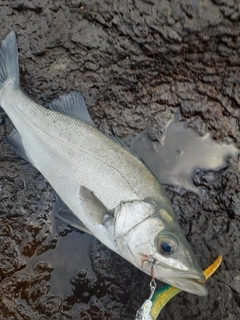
(167, 245)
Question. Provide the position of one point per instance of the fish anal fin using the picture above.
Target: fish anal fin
(15, 140)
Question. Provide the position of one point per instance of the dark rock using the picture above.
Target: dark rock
(136, 63)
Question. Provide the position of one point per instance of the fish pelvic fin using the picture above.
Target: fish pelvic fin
(72, 220)
(9, 71)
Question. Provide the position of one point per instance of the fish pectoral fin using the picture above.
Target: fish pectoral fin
(92, 206)
(15, 140)
(73, 105)
(71, 219)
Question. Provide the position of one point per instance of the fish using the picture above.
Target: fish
(109, 190)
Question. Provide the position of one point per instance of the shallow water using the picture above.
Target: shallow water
(181, 153)
(69, 257)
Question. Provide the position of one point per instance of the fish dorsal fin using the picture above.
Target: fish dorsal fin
(71, 219)
(122, 144)
(15, 140)
(73, 105)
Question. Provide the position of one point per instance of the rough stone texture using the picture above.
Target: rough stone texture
(136, 63)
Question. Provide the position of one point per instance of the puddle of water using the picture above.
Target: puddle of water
(69, 257)
(182, 152)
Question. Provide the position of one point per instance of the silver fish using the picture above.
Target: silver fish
(112, 194)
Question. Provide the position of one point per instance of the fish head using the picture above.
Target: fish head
(150, 237)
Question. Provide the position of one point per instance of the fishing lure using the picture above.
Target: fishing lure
(152, 307)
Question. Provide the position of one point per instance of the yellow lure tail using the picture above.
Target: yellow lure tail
(163, 295)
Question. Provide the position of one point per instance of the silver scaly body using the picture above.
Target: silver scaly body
(110, 190)
(78, 155)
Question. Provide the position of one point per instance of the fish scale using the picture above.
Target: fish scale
(83, 142)
(110, 190)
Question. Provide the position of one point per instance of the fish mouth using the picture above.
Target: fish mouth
(193, 282)
(191, 285)
(189, 281)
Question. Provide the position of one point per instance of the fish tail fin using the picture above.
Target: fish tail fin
(9, 71)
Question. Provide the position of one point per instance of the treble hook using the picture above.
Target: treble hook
(144, 312)
(153, 284)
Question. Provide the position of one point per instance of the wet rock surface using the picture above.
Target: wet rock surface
(136, 63)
